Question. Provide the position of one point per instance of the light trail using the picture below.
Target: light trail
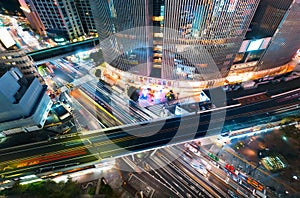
(254, 166)
(99, 106)
(287, 92)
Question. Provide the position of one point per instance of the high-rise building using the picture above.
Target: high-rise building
(175, 39)
(24, 104)
(59, 17)
(173, 36)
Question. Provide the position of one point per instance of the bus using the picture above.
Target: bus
(255, 184)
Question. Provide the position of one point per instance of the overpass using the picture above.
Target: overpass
(63, 50)
(92, 147)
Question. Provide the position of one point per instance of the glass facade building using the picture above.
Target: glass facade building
(273, 32)
(267, 18)
(173, 39)
(285, 42)
(197, 39)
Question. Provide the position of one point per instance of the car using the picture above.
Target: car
(69, 85)
(232, 194)
(202, 170)
(271, 188)
(194, 189)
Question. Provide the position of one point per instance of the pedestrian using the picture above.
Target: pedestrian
(170, 96)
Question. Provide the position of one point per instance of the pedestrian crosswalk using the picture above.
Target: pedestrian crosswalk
(156, 109)
(160, 110)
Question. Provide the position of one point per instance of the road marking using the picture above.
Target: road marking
(281, 94)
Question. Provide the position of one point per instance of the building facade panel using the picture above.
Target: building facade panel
(123, 33)
(18, 58)
(215, 28)
(86, 16)
(267, 18)
(30, 98)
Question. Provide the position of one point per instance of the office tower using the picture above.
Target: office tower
(60, 17)
(272, 39)
(11, 56)
(267, 18)
(285, 42)
(172, 36)
(24, 104)
(33, 18)
(86, 16)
